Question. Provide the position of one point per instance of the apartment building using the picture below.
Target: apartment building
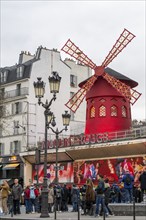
(22, 122)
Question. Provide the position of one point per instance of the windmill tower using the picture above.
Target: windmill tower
(108, 93)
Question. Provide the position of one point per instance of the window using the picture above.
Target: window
(73, 81)
(102, 111)
(1, 149)
(113, 99)
(102, 100)
(3, 76)
(16, 108)
(2, 111)
(2, 94)
(124, 112)
(15, 147)
(114, 111)
(92, 112)
(18, 89)
(20, 70)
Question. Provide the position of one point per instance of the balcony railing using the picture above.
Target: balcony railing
(16, 92)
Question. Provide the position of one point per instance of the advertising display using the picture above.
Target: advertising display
(113, 169)
(65, 172)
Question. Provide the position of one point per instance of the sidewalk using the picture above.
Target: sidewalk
(67, 216)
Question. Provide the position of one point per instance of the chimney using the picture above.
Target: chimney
(25, 56)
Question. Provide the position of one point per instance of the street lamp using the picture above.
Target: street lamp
(39, 88)
(66, 121)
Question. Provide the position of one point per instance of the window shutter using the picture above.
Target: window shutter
(19, 146)
(20, 107)
(75, 80)
(11, 147)
(3, 149)
(13, 109)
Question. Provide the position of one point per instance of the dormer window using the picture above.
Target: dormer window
(3, 76)
(20, 70)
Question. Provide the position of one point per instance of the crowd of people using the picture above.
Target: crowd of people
(93, 200)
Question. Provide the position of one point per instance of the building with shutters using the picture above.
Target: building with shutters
(21, 118)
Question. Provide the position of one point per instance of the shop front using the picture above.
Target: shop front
(11, 167)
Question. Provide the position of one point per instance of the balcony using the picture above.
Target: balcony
(16, 93)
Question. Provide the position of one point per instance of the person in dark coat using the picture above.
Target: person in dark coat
(16, 193)
(107, 194)
(65, 198)
(142, 180)
(128, 181)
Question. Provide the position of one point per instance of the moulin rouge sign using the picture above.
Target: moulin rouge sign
(77, 140)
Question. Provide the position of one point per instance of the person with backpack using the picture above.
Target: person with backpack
(33, 195)
(100, 199)
(128, 181)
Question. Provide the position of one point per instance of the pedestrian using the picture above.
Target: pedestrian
(27, 199)
(142, 180)
(89, 198)
(107, 194)
(5, 189)
(58, 194)
(50, 198)
(128, 181)
(33, 198)
(16, 193)
(65, 198)
(75, 194)
(83, 198)
(100, 199)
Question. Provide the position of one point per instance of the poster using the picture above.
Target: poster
(65, 172)
(113, 169)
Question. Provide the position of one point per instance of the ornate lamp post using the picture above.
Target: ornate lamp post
(66, 120)
(39, 87)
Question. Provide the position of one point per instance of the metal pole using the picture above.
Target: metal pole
(79, 207)
(56, 174)
(55, 208)
(44, 203)
(103, 207)
(133, 207)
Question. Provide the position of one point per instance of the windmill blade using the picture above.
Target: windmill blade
(124, 39)
(74, 103)
(74, 51)
(130, 94)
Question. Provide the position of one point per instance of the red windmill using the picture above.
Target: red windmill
(108, 93)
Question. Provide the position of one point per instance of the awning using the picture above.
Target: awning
(11, 166)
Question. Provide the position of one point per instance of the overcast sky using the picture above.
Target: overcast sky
(94, 26)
